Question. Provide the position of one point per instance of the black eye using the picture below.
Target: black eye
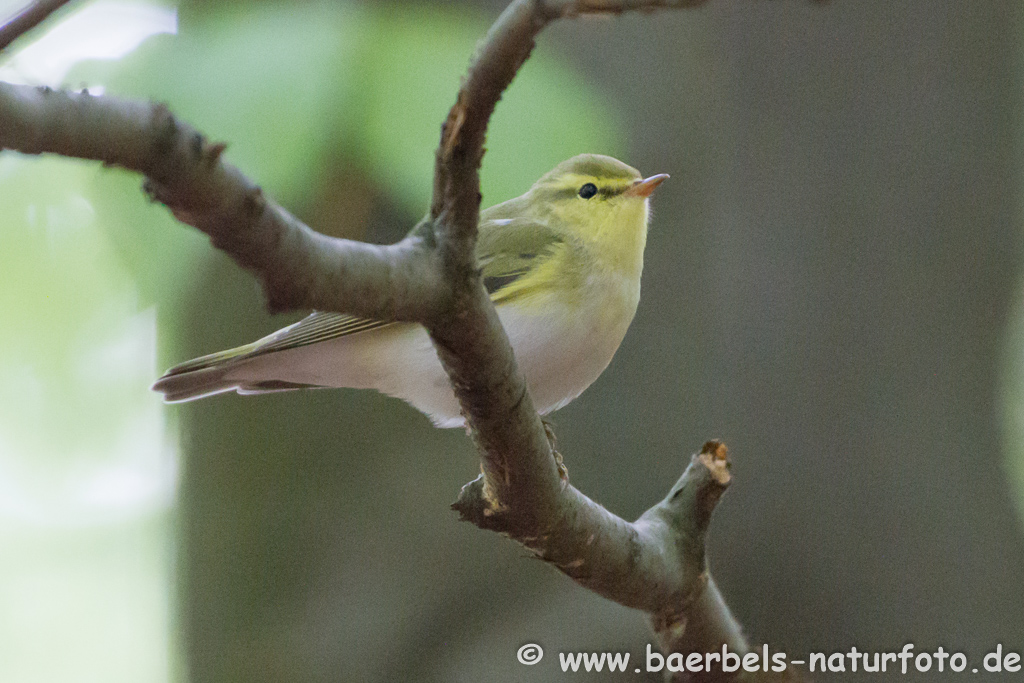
(588, 190)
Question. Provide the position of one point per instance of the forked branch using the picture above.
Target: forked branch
(656, 564)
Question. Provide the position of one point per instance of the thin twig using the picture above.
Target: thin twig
(28, 19)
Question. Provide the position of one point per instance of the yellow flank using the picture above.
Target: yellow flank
(562, 273)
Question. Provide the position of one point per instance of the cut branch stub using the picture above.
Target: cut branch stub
(656, 564)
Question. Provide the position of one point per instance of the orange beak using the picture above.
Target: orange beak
(644, 188)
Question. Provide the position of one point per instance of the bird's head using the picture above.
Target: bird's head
(596, 196)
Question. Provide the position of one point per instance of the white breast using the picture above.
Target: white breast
(561, 349)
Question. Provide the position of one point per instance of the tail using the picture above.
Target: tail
(189, 385)
(208, 375)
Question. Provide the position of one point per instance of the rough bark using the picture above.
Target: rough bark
(657, 563)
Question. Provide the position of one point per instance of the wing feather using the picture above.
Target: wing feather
(316, 327)
(507, 249)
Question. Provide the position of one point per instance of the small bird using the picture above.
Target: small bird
(562, 264)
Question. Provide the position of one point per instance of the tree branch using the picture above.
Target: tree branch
(298, 268)
(518, 465)
(28, 19)
(656, 564)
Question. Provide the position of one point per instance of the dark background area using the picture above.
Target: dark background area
(828, 285)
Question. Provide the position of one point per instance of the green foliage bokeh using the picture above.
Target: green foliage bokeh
(293, 88)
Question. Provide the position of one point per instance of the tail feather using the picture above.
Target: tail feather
(208, 375)
(247, 370)
(188, 385)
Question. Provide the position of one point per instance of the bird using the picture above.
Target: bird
(562, 264)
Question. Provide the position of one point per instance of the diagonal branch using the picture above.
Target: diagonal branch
(518, 463)
(27, 19)
(298, 268)
(656, 564)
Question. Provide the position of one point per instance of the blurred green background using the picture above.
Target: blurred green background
(832, 286)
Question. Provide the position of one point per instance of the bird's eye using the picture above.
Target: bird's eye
(588, 190)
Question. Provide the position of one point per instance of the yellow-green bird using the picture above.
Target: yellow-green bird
(562, 264)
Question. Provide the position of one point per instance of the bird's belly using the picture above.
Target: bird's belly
(398, 360)
(561, 348)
